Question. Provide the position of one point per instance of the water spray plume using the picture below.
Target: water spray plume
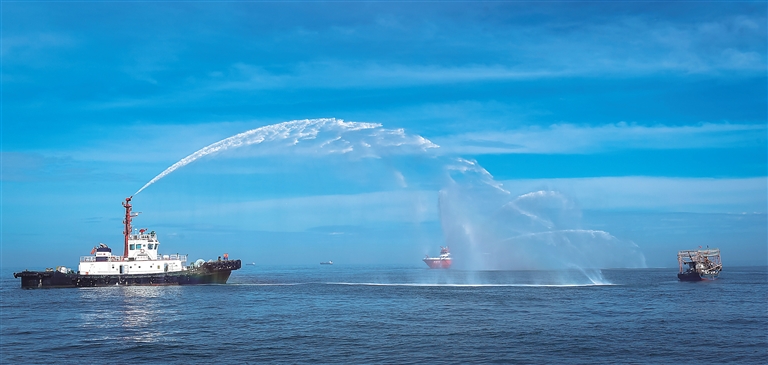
(302, 131)
(485, 225)
(534, 231)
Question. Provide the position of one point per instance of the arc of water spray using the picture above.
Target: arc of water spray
(297, 130)
(592, 232)
(464, 166)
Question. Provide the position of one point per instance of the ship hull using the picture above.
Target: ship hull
(691, 276)
(438, 263)
(217, 272)
(694, 276)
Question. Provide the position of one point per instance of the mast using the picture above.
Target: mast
(127, 222)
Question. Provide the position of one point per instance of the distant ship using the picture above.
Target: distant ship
(697, 265)
(326, 263)
(141, 264)
(441, 262)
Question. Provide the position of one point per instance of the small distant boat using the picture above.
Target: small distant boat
(326, 263)
(702, 264)
(441, 262)
(252, 263)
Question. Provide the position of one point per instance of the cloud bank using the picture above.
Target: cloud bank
(580, 139)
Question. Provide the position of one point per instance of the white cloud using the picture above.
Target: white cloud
(570, 138)
(302, 213)
(23, 47)
(341, 74)
(699, 195)
(147, 143)
(627, 46)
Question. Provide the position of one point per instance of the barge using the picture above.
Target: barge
(701, 264)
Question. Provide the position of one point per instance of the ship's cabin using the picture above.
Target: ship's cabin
(143, 246)
(102, 252)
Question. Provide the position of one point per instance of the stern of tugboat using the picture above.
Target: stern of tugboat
(211, 272)
(45, 279)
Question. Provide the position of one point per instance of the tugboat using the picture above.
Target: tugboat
(441, 262)
(140, 264)
(702, 264)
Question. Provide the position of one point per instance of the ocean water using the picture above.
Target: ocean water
(396, 315)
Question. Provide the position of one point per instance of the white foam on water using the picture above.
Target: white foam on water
(471, 285)
(267, 284)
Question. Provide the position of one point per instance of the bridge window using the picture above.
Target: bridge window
(151, 246)
(132, 247)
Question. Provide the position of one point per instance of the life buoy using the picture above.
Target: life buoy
(142, 250)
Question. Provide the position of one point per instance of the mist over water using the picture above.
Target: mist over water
(489, 229)
(486, 226)
(540, 230)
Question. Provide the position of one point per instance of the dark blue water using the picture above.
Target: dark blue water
(398, 315)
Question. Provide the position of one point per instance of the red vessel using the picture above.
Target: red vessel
(442, 262)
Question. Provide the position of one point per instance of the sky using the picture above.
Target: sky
(648, 120)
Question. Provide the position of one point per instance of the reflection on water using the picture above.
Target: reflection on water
(135, 314)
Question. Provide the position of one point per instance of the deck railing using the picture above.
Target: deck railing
(148, 237)
(182, 258)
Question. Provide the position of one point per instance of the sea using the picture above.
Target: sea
(342, 314)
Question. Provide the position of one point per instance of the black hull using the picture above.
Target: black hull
(216, 272)
(689, 276)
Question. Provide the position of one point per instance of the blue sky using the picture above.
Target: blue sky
(649, 118)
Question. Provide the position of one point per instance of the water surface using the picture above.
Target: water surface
(399, 315)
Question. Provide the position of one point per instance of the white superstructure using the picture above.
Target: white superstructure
(140, 256)
(143, 258)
